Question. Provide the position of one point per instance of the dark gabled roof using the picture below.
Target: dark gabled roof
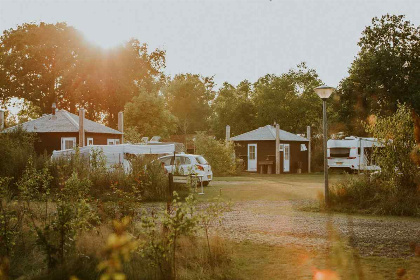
(267, 132)
(63, 121)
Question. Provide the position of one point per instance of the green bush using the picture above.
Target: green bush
(394, 190)
(16, 147)
(219, 154)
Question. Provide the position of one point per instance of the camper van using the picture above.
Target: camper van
(352, 154)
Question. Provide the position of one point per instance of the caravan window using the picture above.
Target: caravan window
(339, 152)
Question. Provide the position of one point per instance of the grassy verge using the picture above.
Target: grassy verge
(256, 261)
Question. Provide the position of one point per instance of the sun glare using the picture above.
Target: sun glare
(104, 38)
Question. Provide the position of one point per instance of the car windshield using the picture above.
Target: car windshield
(201, 160)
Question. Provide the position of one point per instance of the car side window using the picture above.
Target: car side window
(166, 161)
(179, 160)
(187, 160)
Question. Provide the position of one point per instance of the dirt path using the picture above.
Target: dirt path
(281, 222)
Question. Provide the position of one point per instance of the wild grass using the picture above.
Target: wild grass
(372, 195)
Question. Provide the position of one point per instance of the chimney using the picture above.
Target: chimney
(1, 119)
(53, 110)
(121, 125)
(81, 127)
(227, 133)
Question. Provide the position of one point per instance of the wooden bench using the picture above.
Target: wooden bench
(268, 163)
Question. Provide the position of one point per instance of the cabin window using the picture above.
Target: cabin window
(251, 152)
(89, 141)
(303, 147)
(113, 141)
(68, 143)
(339, 152)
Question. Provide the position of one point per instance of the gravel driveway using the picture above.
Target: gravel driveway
(283, 223)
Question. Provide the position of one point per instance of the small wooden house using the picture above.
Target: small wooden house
(257, 148)
(63, 130)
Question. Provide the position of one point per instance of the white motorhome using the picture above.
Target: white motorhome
(352, 153)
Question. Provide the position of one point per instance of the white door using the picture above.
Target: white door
(252, 157)
(286, 158)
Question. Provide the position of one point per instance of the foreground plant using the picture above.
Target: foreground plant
(119, 246)
(56, 218)
(11, 216)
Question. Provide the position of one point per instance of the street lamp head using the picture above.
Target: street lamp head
(324, 92)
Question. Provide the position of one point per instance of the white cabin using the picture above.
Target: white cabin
(352, 153)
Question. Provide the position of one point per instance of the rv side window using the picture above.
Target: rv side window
(368, 153)
(339, 152)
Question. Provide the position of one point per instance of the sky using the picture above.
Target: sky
(231, 40)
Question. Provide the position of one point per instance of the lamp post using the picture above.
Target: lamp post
(324, 92)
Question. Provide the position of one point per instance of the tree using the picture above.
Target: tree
(106, 80)
(147, 115)
(234, 107)
(46, 63)
(289, 99)
(386, 71)
(396, 132)
(188, 97)
(34, 59)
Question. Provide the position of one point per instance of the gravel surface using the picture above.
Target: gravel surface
(282, 223)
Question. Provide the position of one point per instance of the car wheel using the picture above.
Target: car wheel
(206, 183)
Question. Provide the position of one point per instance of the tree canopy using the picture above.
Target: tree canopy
(147, 115)
(233, 106)
(188, 97)
(46, 63)
(386, 71)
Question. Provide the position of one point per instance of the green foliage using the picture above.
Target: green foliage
(211, 216)
(384, 72)
(396, 132)
(154, 182)
(162, 248)
(147, 115)
(233, 106)
(34, 59)
(11, 215)
(289, 100)
(17, 146)
(56, 218)
(45, 63)
(393, 190)
(188, 98)
(218, 153)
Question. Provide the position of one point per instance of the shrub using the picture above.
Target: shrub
(394, 189)
(219, 154)
(17, 146)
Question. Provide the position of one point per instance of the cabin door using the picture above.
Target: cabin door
(286, 158)
(252, 157)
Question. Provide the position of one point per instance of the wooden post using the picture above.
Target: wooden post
(277, 149)
(227, 133)
(121, 125)
(308, 135)
(81, 127)
(1, 120)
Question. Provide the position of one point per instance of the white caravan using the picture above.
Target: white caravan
(117, 154)
(352, 153)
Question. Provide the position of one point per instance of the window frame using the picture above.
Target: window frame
(113, 141)
(63, 142)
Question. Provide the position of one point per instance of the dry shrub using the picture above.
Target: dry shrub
(370, 194)
(195, 262)
(90, 243)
